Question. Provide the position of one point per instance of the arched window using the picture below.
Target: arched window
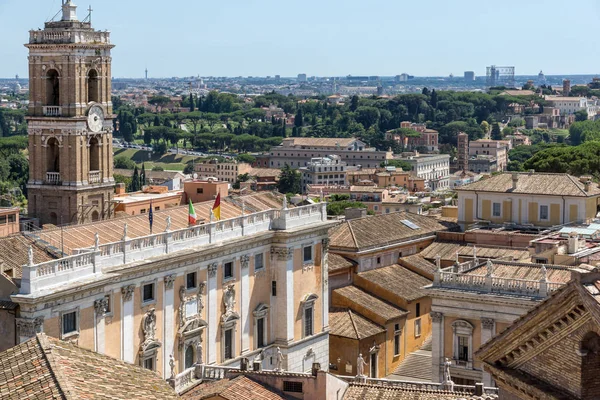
(463, 343)
(53, 156)
(94, 155)
(93, 92)
(52, 88)
(95, 216)
(189, 356)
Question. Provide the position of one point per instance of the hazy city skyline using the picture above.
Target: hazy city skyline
(334, 38)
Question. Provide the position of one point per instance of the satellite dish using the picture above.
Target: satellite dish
(195, 175)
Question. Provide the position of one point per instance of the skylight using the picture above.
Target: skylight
(410, 224)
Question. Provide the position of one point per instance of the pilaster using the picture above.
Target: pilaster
(127, 328)
(437, 346)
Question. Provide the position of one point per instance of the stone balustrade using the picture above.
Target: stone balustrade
(185, 379)
(90, 261)
(420, 386)
(446, 278)
(52, 111)
(69, 36)
(94, 177)
(53, 178)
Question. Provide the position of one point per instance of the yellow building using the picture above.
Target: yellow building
(247, 286)
(538, 199)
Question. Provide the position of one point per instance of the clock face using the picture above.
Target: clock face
(95, 118)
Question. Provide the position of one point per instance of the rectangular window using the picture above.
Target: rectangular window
(149, 363)
(294, 387)
(258, 261)
(496, 209)
(260, 332)
(308, 322)
(143, 211)
(378, 260)
(12, 218)
(463, 348)
(148, 292)
(157, 208)
(190, 280)
(69, 322)
(2, 219)
(417, 327)
(273, 288)
(396, 344)
(307, 253)
(108, 304)
(228, 270)
(417, 310)
(228, 344)
(199, 190)
(543, 212)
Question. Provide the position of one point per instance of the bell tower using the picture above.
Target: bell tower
(70, 121)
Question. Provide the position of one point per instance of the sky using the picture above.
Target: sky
(324, 37)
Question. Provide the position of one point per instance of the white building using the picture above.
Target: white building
(330, 170)
(434, 168)
(570, 105)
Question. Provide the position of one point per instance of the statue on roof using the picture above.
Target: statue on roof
(360, 366)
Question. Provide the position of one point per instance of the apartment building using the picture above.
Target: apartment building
(492, 149)
(223, 171)
(330, 170)
(298, 152)
(433, 168)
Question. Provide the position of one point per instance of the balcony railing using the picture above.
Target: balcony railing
(53, 178)
(94, 177)
(52, 111)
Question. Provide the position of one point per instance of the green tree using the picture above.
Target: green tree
(191, 102)
(398, 164)
(289, 180)
(354, 103)
(135, 180)
(496, 133)
(246, 158)
(143, 176)
(299, 120)
(157, 168)
(581, 115)
(124, 163)
(339, 207)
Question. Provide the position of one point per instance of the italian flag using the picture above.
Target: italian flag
(192, 214)
(217, 207)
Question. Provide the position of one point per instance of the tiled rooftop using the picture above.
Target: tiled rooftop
(337, 262)
(361, 300)
(358, 391)
(380, 230)
(48, 368)
(418, 264)
(347, 323)
(239, 388)
(534, 183)
(447, 251)
(398, 280)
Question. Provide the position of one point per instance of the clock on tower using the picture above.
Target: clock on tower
(70, 121)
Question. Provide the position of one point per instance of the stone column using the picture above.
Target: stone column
(325, 280)
(169, 323)
(245, 302)
(100, 307)
(437, 346)
(487, 332)
(283, 258)
(28, 327)
(213, 323)
(127, 329)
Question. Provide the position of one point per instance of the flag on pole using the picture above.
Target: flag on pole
(217, 207)
(192, 214)
(151, 216)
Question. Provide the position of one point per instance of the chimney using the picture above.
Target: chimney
(573, 243)
(587, 182)
(355, 213)
(120, 188)
(515, 180)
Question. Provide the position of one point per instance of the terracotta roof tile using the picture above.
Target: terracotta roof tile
(48, 368)
(380, 230)
(527, 271)
(337, 262)
(14, 253)
(361, 300)
(447, 251)
(346, 323)
(533, 183)
(398, 280)
(358, 391)
(418, 264)
(238, 388)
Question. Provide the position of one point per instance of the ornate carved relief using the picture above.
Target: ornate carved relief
(229, 299)
(436, 316)
(325, 244)
(282, 253)
(212, 270)
(149, 326)
(101, 305)
(29, 327)
(245, 261)
(487, 323)
(169, 281)
(127, 292)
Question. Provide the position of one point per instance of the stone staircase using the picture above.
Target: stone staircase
(416, 366)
